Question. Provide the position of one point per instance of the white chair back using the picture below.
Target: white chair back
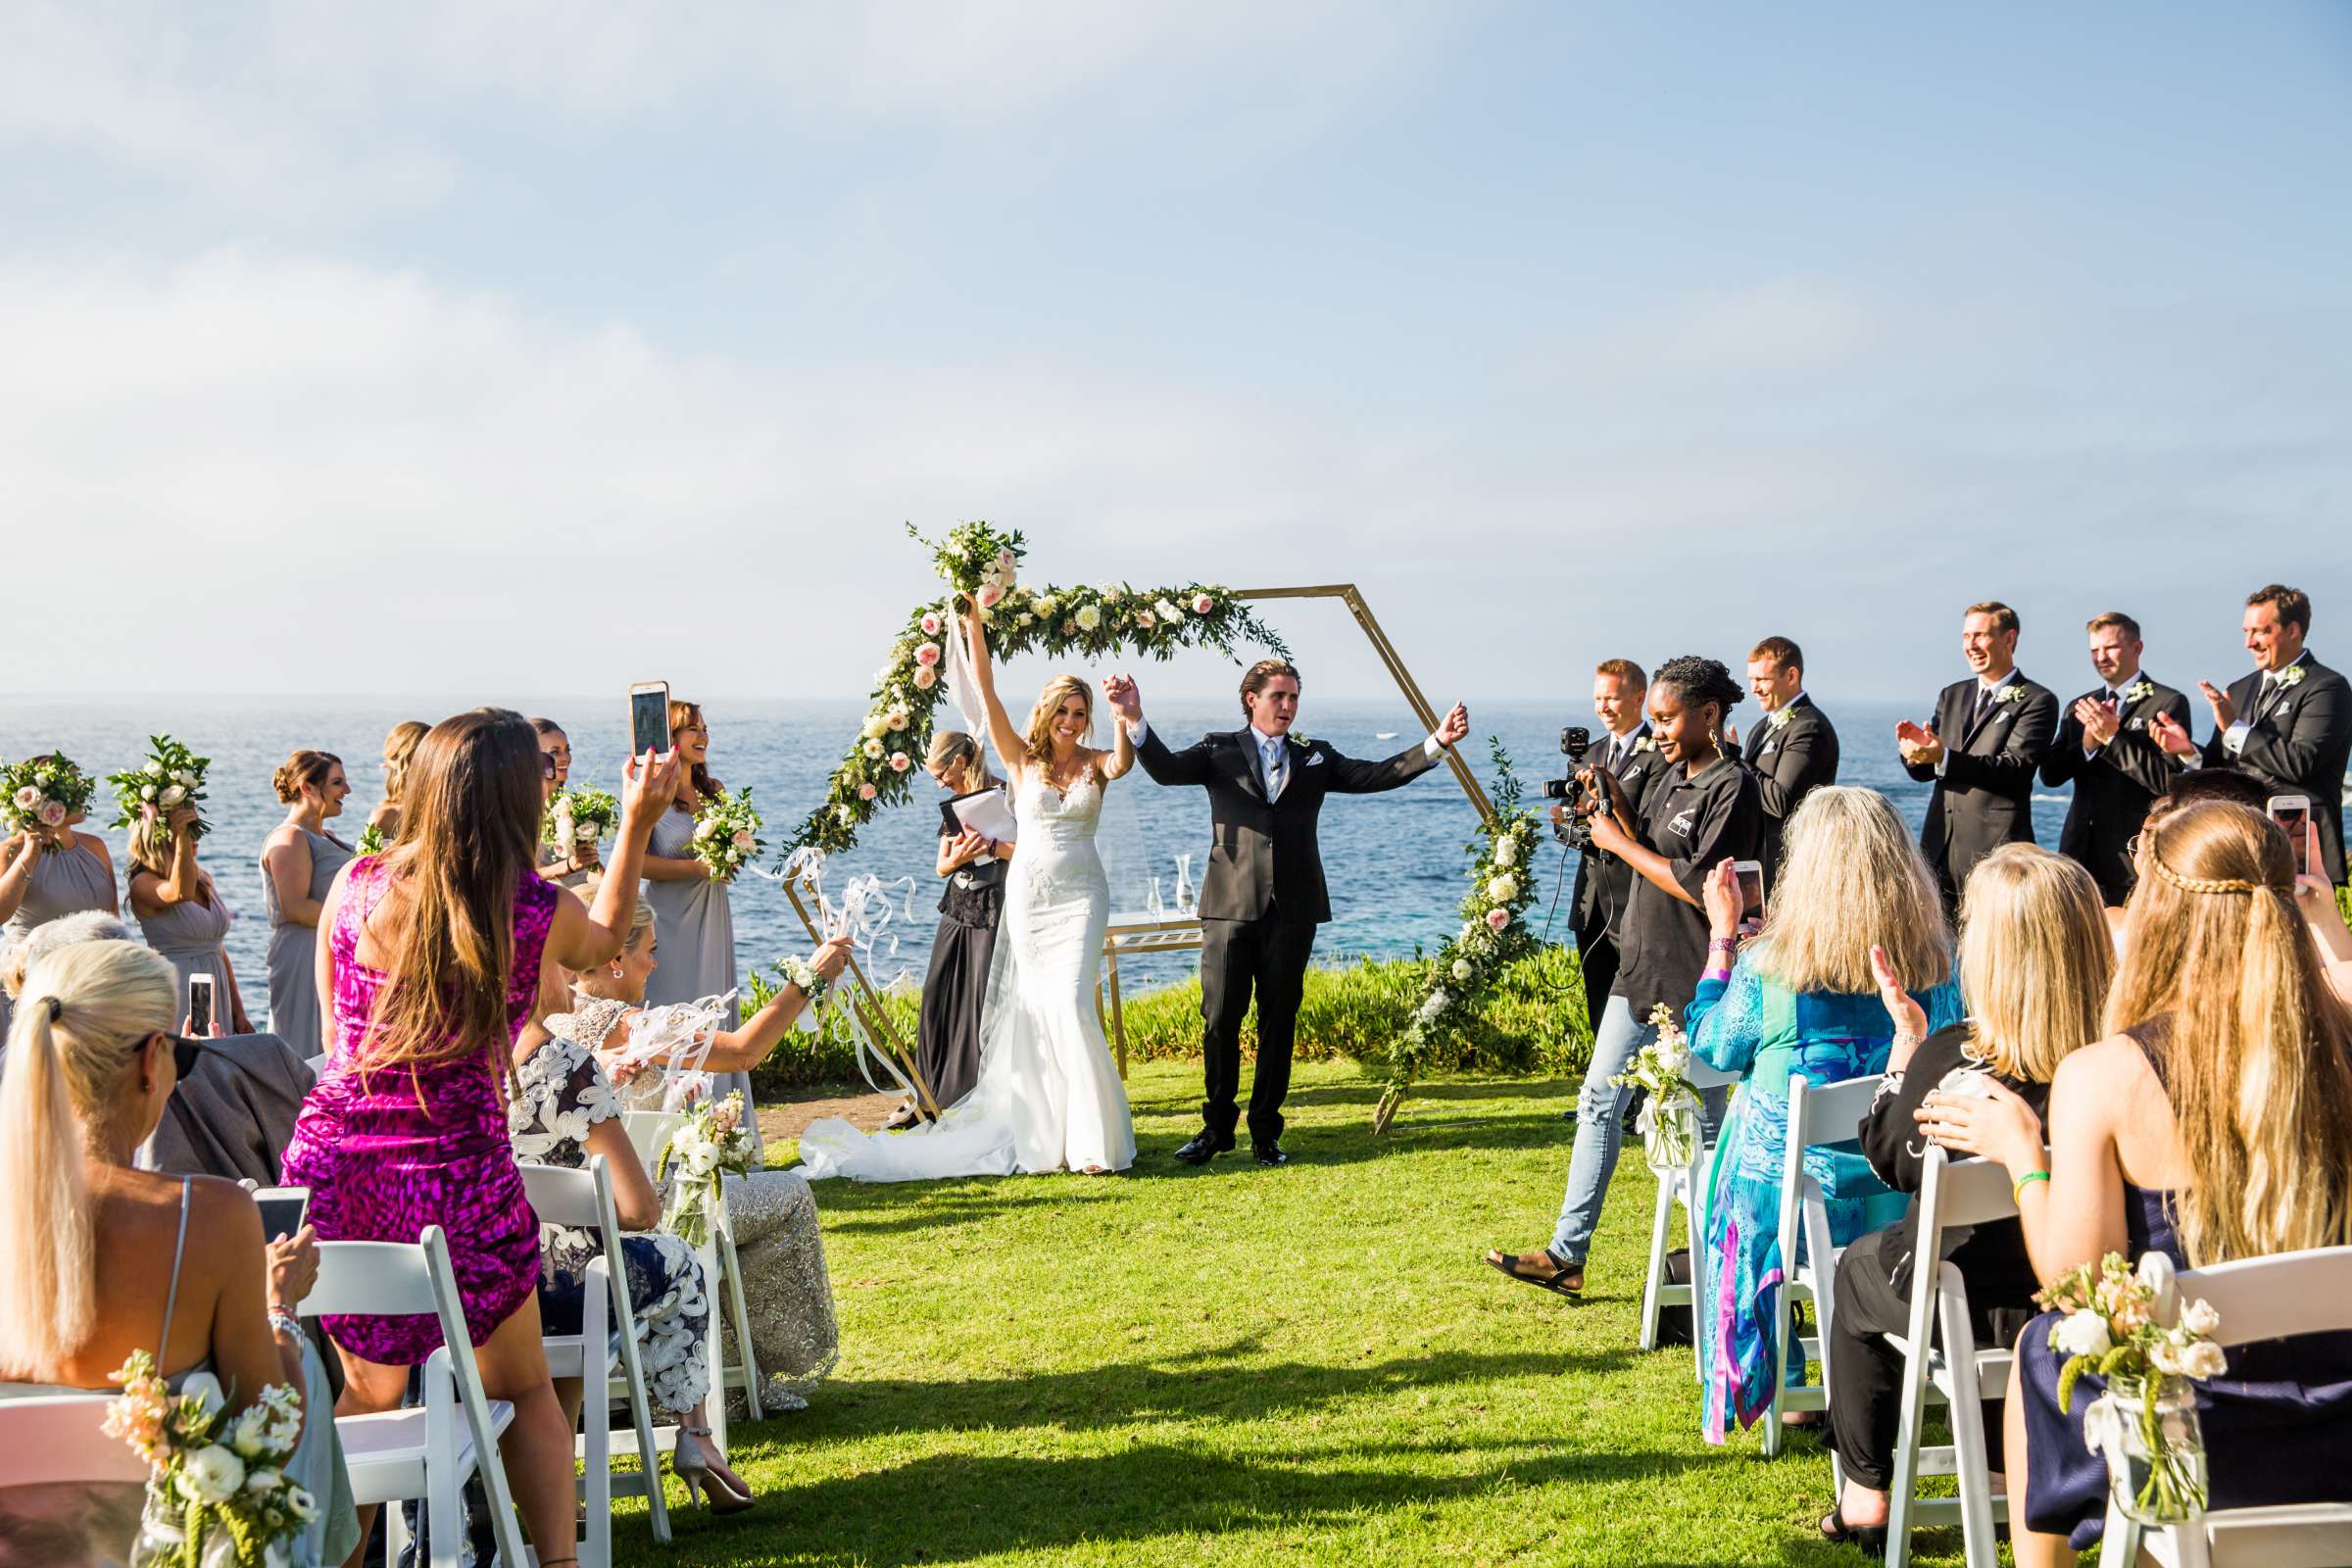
(650, 1132)
(2258, 1298)
(54, 1440)
(1818, 1113)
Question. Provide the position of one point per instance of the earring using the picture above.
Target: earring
(617, 974)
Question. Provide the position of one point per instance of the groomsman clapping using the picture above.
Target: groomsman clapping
(1988, 735)
(2107, 745)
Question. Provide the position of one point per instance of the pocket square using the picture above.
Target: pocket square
(1314, 759)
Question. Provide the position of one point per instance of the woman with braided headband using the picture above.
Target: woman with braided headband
(2213, 1122)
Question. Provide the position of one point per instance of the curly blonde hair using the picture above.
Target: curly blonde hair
(1038, 739)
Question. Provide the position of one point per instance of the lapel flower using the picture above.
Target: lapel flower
(1777, 720)
(2292, 675)
(2014, 692)
(2139, 691)
(1648, 743)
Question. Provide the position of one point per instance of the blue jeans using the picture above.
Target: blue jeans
(1601, 1128)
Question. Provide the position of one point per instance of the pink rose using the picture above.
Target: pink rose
(900, 762)
(866, 792)
(27, 798)
(1144, 618)
(927, 655)
(925, 679)
(744, 840)
(990, 596)
(53, 814)
(1496, 919)
(1202, 604)
(930, 625)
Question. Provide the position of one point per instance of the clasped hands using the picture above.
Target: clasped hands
(1919, 744)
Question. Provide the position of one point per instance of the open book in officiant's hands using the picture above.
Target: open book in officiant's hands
(987, 813)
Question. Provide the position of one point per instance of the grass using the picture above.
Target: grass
(1245, 1365)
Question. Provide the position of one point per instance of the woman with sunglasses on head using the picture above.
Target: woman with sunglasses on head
(104, 1259)
(299, 863)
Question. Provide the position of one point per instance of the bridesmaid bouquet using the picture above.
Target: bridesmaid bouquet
(372, 840)
(2146, 1422)
(579, 816)
(217, 1491)
(43, 792)
(1669, 1120)
(726, 834)
(170, 776)
(712, 1142)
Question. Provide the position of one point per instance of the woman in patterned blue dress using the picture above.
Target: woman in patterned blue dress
(1802, 999)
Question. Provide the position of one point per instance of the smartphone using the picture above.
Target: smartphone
(201, 1021)
(283, 1210)
(2294, 814)
(649, 718)
(1750, 875)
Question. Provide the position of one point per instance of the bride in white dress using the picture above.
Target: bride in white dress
(1047, 1096)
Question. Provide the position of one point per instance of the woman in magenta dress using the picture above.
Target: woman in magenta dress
(432, 961)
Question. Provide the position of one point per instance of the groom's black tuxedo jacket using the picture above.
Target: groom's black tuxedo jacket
(2113, 789)
(2298, 743)
(1264, 856)
(1984, 798)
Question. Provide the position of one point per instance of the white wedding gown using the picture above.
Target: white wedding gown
(1047, 1095)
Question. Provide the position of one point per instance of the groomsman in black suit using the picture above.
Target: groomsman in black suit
(1264, 894)
(2106, 748)
(1793, 749)
(1989, 736)
(1603, 883)
(2289, 722)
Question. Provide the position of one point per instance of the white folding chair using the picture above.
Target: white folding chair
(649, 1133)
(427, 1452)
(1825, 1114)
(2258, 1298)
(56, 1439)
(1690, 1189)
(606, 1346)
(1952, 1195)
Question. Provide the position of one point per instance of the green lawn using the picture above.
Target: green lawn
(1255, 1366)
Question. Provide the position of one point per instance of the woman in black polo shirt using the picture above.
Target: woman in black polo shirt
(1704, 809)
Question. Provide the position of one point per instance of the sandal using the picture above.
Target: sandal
(1870, 1538)
(1507, 1264)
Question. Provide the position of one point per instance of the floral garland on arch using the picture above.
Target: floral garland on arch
(982, 564)
(1494, 935)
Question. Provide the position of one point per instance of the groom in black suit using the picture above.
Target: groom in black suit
(2107, 745)
(1264, 894)
(1989, 734)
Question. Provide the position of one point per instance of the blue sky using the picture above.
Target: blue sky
(525, 346)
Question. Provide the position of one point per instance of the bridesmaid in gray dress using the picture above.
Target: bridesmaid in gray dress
(299, 863)
(182, 914)
(698, 923)
(570, 865)
(47, 873)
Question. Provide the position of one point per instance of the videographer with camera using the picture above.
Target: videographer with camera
(1603, 883)
(1703, 809)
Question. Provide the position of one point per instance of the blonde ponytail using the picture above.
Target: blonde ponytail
(84, 1013)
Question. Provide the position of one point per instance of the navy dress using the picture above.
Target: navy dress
(2276, 1428)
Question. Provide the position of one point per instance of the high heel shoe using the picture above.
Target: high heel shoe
(706, 1484)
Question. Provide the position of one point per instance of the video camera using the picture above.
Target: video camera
(1576, 831)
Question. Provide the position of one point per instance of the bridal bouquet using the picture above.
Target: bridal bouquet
(2146, 1422)
(170, 776)
(372, 840)
(981, 560)
(1669, 1120)
(216, 1492)
(726, 834)
(578, 817)
(43, 792)
(712, 1142)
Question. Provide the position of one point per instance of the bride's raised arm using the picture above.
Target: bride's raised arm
(1009, 747)
(1121, 756)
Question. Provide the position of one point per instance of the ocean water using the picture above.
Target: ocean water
(1396, 862)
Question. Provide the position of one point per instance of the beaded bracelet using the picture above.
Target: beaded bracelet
(284, 1322)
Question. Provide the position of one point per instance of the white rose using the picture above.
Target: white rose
(1507, 851)
(146, 792)
(706, 827)
(2201, 1318)
(584, 833)
(185, 776)
(211, 1475)
(2084, 1334)
(260, 1482)
(1503, 889)
(1088, 618)
(2205, 1359)
(155, 770)
(249, 1435)
(873, 749)
(1167, 612)
(703, 1159)
(876, 724)
(1462, 968)
(172, 796)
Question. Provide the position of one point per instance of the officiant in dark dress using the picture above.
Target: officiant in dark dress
(1264, 893)
(955, 991)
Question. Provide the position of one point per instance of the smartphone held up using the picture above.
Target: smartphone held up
(649, 718)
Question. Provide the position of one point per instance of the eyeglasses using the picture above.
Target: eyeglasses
(183, 1053)
(547, 764)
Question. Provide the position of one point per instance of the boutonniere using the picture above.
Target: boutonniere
(2292, 675)
(2140, 690)
(1648, 743)
(1777, 720)
(2014, 692)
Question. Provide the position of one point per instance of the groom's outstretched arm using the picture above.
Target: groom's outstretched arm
(1351, 776)
(1188, 767)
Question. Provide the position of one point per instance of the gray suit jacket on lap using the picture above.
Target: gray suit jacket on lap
(1264, 856)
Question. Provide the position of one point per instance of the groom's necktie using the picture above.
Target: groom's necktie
(1277, 772)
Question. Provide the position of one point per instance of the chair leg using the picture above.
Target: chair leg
(596, 1419)
(740, 1311)
(715, 1349)
(1780, 1372)
(1660, 1224)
